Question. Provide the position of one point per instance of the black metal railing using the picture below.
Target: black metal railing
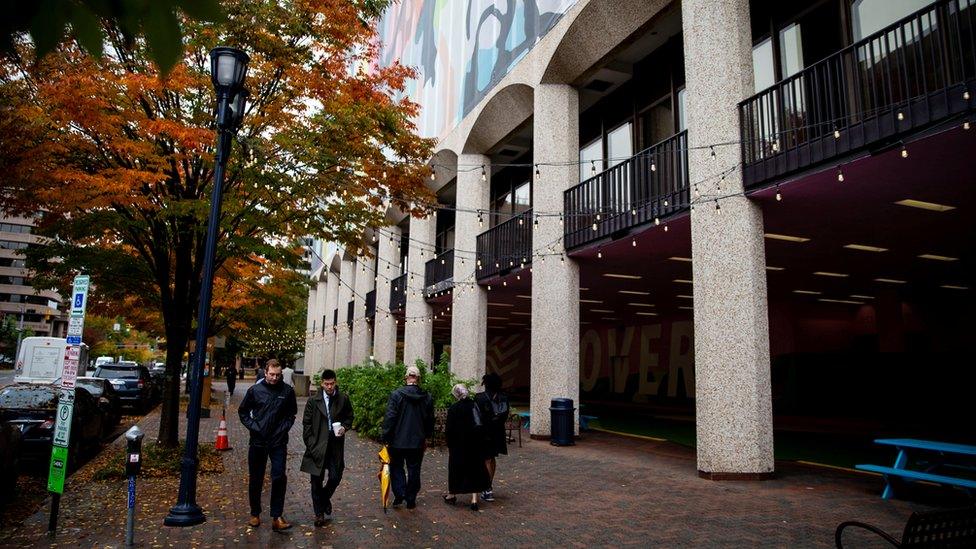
(371, 304)
(398, 293)
(505, 246)
(652, 184)
(350, 308)
(912, 74)
(439, 272)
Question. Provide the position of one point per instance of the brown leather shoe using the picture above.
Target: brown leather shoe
(254, 522)
(279, 523)
(319, 521)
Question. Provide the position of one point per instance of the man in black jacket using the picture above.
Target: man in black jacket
(268, 411)
(325, 442)
(408, 423)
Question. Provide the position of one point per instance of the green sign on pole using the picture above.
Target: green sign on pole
(59, 467)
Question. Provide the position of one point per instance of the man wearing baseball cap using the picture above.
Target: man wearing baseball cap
(408, 423)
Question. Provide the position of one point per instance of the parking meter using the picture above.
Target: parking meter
(133, 463)
(133, 447)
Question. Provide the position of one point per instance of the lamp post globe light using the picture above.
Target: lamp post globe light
(228, 68)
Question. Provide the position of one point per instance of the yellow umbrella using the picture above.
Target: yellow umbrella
(384, 476)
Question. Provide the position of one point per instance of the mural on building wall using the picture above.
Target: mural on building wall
(632, 363)
(461, 49)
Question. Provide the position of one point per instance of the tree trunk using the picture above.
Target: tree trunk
(169, 418)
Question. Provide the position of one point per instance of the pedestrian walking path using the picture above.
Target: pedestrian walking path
(605, 490)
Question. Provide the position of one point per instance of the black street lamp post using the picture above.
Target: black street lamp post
(228, 67)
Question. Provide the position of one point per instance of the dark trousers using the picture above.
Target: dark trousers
(321, 495)
(231, 383)
(406, 486)
(257, 461)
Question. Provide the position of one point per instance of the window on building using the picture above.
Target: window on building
(591, 155)
(870, 16)
(763, 69)
(11, 245)
(620, 145)
(15, 228)
(682, 112)
(522, 197)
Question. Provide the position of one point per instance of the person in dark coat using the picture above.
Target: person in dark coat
(268, 411)
(409, 421)
(324, 443)
(493, 404)
(231, 378)
(466, 472)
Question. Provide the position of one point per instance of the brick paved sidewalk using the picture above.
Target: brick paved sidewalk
(606, 490)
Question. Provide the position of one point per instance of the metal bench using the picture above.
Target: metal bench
(941, 528)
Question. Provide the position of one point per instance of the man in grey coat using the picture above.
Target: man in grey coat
(324, 444)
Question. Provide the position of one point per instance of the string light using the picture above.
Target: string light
(537, 171)
(965, 125)
(901, 116)
(592, 167)
(484, 174)
(633, 242)
(717, 207)
(599, 253)
(904, 151)
(836, 133)
(840, 175)
(779, 196)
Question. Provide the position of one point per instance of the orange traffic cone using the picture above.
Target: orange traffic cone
(223, 443)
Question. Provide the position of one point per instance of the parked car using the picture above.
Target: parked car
(158, 374)
(131, 382)
(107, 397)
(32, 408)
(9, 460)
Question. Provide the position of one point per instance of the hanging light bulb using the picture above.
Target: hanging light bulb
(537, 170)
(484, 174)
(904, 151)
(653, 166)
(433, 176)
(836, 133)
(665, 202)
(633, 242)
(384, 174)
(965, 125)
(657, 221)
(592, 167)
(536, 220)
(633, 211)
(965, 95)
(599, 253)
(521, 221)
(594, 227)
(717, 207)
(489, 287)
(901, 115)
(665, 228)
(840, 175)
(712, 148)
(779, 196)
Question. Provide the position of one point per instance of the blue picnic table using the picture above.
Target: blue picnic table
(584, 420)
(940, 462)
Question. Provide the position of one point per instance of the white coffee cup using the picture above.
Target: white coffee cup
(335, 428)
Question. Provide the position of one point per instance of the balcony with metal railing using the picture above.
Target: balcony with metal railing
(903, 79)
(646, 187)
(505, 246)
(439, 272)
(398, 293)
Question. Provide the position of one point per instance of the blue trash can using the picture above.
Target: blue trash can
(561, 426)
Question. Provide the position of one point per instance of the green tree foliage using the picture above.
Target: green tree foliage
(369, 385)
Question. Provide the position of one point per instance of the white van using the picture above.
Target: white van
(41, 359)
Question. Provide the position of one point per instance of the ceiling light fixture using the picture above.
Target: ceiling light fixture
(931, 206)
(634, 292)
(938, 257)
(828, 273)
(642, 313)
(679, 258)
(641, 304)
(786, 237)
(954, 287)
(807, 292)
(865, 248)
(890, 280)
(624, 276)
(846, 301)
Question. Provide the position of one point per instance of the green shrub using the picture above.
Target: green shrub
(369, 385)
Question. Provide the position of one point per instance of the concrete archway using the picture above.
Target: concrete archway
(601, 27)
(504, 112)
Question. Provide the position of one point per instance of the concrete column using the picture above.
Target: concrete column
(733, 403)
(469, 309)
(347, 281)
(555, 284)
(322, 290)
(311, 327)
(418, 338)
(331, 299)
(362, 332)
(388, 267)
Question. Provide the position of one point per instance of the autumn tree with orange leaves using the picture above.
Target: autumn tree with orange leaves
(120, 162)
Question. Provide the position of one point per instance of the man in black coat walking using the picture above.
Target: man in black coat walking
(328, 415)
(268, 411)
(408, 423)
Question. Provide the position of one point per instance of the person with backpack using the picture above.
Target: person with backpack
(493, 404)
(409, 421)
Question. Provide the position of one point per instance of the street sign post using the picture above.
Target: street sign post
(66, 399)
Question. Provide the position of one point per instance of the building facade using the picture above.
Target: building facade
(37, 310)
(724, 211)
